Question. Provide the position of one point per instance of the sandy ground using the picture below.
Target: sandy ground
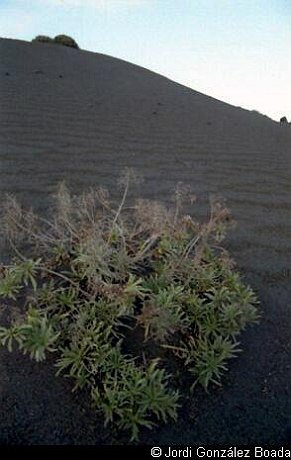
(83, 117)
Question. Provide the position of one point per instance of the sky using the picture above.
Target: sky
(238, 51)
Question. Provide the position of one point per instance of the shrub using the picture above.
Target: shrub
(124, 295)
(283, 121)
(43, 39)
(65, 40)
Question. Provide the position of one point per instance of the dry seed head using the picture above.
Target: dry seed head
(129, 176)
(11, 218)
(151, 215)
(183, 193)
(63, 203)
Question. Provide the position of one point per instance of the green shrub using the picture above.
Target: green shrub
(121, 295)
(43, 39)
(65, 40)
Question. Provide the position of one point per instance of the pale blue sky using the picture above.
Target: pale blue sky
(238, 51)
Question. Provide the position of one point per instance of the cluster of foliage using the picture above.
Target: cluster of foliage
(284, 121)
(64, 40)
(43, 39)
(122, 294)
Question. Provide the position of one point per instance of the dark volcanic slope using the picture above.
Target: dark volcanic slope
(80, 116)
